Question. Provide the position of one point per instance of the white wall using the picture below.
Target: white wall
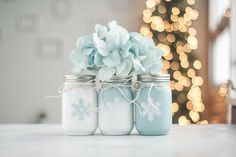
(35, 39)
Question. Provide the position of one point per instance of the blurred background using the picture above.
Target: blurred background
(196, 36)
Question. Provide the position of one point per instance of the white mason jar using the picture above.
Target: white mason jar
(115, 107)
(79, 103)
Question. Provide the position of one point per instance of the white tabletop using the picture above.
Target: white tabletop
(48, 141)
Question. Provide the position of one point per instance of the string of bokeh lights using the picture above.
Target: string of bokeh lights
(181, 23)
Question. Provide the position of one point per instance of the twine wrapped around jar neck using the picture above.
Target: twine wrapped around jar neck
(70, 86)
(104, 86)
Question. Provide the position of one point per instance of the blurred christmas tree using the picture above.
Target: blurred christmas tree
(169, 23)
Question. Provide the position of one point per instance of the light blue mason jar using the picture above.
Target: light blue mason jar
(153, 115)
(115, 106)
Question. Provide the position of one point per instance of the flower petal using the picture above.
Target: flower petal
(135, 49)
(159, 52)
(138, 65)
(101, 31)
(111, 24)
(79, 60)
(106, 73)
(116, 37)
(100, 45)
(125, 50)
(155, 69)
(91, 60)
(113, 59)
(120, 68)
(84, 42)
(88, 51)
(127, 69)
(98, 60)
(141, 58)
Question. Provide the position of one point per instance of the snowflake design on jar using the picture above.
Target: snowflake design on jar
(150, 109)
(81, 109)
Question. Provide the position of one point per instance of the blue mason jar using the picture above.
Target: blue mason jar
(115, 106)
(153, 115)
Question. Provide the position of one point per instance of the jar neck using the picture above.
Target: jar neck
(92, 83)
(155, 81)
(119, 80)
(141, 84)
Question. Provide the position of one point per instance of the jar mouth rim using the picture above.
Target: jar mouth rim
(158, 77)
(79, 77)
(119, 79)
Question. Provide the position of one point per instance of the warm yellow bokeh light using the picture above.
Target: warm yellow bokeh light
(183, 57)
(197, 64)
(189, 105)
(150, 3)
(175, 65)
(191, 73)
(194, 116)
(187, 48)
(180, 49)
(198, 81)
(145, 30)
(188, 9)
(193, 42)
(204, 122)
(164, 47)
(147, 19)
(179, 86)
(175, 107)
(147, 13)
(183, 120)
(168, 56)
(184, 64)
(175, 11)
(199, 107)
(158, 1)
(192, 31)
(166, 64)
(162, 9)
(191, 2)
(177, 75)
(172, 84)
(170, 38)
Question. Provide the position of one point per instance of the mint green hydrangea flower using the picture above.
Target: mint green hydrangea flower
(83, 55)
(113, 51)
(146, 56)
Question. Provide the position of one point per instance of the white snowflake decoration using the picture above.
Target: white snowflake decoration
(81, 109)
(150, 110)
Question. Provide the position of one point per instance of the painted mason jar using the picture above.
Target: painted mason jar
(79, 103)
(115, 107)
(153, 114)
